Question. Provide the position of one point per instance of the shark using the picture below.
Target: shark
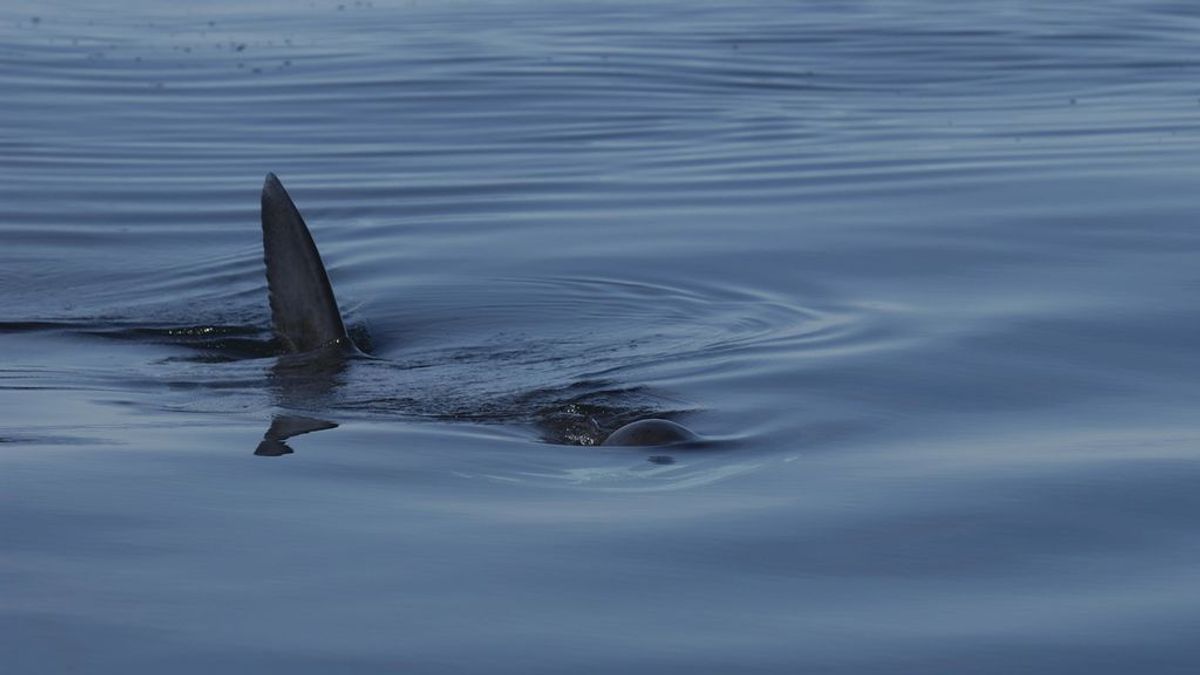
(306, 319)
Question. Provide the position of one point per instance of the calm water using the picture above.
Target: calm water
(925, 275)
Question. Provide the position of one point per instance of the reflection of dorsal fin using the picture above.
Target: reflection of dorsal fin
(284, 427)
(303, 310)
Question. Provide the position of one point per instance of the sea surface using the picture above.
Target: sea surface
(925, 275)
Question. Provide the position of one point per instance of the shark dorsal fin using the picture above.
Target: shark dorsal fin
(303, 309)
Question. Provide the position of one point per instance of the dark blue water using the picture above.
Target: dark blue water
(924, 273)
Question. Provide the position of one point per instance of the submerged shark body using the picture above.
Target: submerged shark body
(651, 432)
(305, 316)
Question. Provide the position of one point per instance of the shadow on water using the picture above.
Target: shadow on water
(308, 381)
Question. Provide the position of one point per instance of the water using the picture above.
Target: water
(923, 274)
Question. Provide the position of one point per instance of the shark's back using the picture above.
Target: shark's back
(303, 309)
